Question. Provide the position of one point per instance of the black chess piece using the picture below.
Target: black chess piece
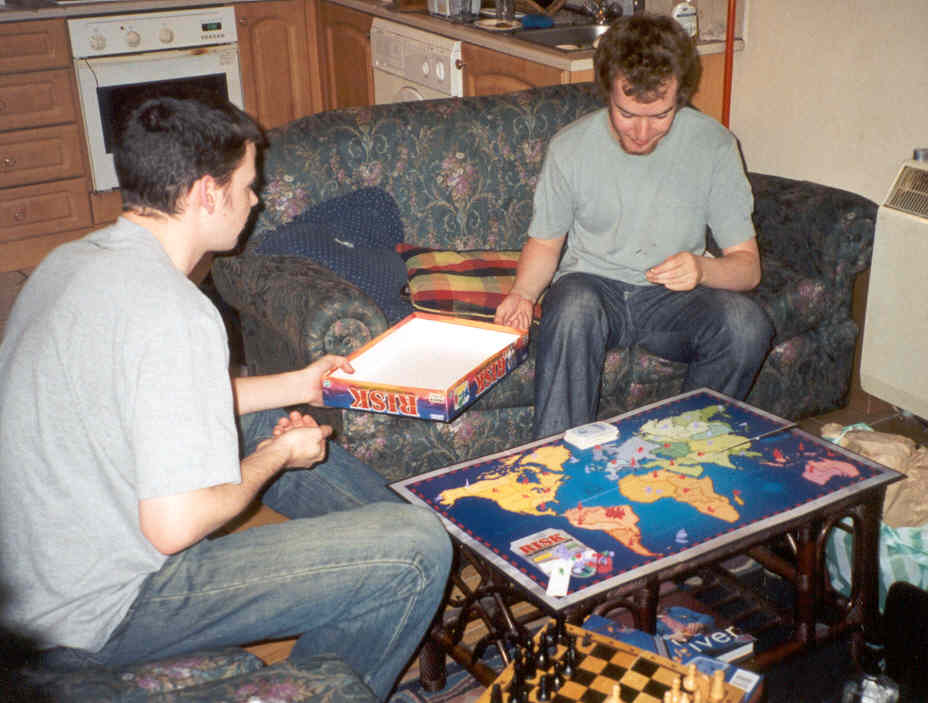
(571, 653)
(559, 679)
(566, 668)
(560, 630)
(496, 694)
(543, 692)
(542, 660)
(528, 659)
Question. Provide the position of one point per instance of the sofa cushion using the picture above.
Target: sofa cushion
(354, 236)
(460, 283)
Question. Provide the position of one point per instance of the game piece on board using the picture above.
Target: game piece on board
(560, 630)
(689, 681)
(496, 694)
(717, 689)
(614, 696)
(542, 660)
(543, 692)
(559, 678)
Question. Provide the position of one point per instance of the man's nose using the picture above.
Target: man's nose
(641, 129)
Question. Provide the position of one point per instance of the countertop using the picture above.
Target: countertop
(504, 43)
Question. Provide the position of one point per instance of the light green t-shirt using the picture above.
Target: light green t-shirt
(625, 213)
(114, 388)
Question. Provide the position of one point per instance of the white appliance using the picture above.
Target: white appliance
(895, 344)
(120, 58)
(410, 64)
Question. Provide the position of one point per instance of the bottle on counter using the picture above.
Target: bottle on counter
(685, 13)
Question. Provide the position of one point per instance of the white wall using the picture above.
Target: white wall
(833, 91)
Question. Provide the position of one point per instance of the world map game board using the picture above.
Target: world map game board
(683, 476)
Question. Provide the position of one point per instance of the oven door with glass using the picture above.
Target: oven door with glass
(110, 86)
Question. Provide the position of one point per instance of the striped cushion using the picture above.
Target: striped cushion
(460, 283)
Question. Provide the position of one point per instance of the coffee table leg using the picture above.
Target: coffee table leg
(432, 673)
(866, 566)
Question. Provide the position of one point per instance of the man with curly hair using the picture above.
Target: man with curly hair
(621, 211)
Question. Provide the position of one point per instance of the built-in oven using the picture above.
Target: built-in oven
(119, 59)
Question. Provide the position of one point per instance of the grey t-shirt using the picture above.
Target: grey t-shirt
(625, 213)
(114, 387)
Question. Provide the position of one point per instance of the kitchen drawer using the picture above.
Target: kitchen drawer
(33, 45)
(30, 211)
(37, 155)
(36, 99)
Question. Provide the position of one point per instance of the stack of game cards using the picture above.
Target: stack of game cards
(586, 436)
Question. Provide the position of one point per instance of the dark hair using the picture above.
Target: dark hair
(166, 144)
(647, 51)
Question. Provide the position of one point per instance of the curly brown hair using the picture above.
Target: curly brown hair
(647, 51)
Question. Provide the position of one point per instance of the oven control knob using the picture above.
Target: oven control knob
(133, 38)
(166, 35)
(97, 42)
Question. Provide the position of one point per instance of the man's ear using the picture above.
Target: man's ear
(204, 193)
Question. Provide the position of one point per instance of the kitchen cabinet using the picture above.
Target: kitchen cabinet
(488, 72)
(346, 44)
(44, 174)
(280, 71)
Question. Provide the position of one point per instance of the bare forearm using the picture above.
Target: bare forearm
(254, 393)
(536, 267)
(737, 271)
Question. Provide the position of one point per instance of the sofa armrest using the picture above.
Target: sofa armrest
(312, 309)
(818, 230)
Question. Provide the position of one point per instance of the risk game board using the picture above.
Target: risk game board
(683, 476)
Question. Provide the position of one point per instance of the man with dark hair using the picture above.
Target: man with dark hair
(119, 449)
(631, 189)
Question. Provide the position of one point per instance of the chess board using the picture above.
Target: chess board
(602, 663)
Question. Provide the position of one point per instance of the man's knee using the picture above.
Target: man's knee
(750, 327)
(571, 306)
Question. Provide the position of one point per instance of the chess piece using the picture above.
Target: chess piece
(614, 696)
(542, 661)
(689, 681)
(543, 692)
(567, 668)
(559, 678)
(717, 688)
(496, 694)
(560, 630)
(571, 653)
(528, 661)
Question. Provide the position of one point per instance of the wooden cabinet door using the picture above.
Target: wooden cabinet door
(277, 72)
(36, 155)
(33, 46)
(488, 72)
(347, 42)
(36, 210)
(36, 99)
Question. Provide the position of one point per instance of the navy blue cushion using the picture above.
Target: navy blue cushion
(354, 235)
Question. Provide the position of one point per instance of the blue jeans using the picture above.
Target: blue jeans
(723, 336)
(360, 574)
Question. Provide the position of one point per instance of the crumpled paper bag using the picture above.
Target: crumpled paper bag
(906, 502)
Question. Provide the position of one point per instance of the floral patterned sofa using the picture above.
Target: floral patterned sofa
(462, 173)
